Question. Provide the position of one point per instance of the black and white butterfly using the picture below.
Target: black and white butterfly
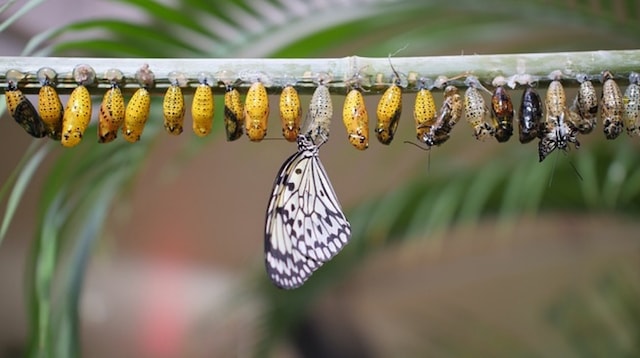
(305, 226)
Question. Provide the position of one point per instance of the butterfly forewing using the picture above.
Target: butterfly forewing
(305, 226)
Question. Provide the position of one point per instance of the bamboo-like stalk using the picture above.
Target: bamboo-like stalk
(376, 73)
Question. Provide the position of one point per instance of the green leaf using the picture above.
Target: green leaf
(148, 39)
(20, 179)
(165, 14)
(26, 7)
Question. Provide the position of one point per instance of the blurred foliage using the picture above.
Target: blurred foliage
(609, 311)
(79, 194)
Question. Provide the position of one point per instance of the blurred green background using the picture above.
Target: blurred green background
(156, 249)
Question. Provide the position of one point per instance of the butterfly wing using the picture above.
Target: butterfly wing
(305, 226)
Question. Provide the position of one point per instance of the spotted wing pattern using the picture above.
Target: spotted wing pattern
(305, 226)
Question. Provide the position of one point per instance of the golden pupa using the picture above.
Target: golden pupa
(77, 114)
(137, 110)
(290, 113)
(256, 110)
(203, 105)
(389, 110)
(173, 104)
(112, 107)
(355, 116)
(49, 104)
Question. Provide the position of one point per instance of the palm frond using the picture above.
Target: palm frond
(25, 8)
(19, 181)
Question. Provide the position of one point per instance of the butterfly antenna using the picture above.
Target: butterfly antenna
(553, 170)
(575, 170)
(415, 144)
(323, 139)
(398, 50)
(428, 149)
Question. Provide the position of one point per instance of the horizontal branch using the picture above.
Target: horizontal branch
(376, 73)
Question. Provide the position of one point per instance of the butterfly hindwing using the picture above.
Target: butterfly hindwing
(305, 226)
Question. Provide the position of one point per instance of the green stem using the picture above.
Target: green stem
(377, 72)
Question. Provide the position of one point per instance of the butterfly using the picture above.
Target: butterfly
(305, 226)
